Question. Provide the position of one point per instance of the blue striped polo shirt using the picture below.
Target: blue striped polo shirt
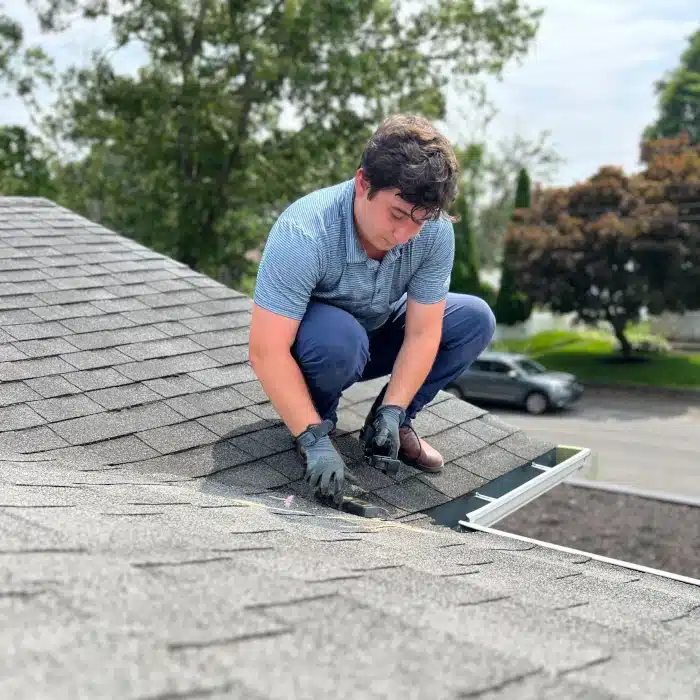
(313, 253)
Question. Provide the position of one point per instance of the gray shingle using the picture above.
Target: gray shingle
(230, 423)
(16, 392)
(97, 322)
(161, 315)
(19, 301)
(91, 379)
(215, 323)
(93, 359)
(31, 331)
(204, 403)
(180, 298)
(111, 306)
(224, 376)
(177, 437)
(106, 339)
(27, 369)
(18, 416)
(49, 387)
(230, 355)
(484, 616)
(225, 338)
(71, 296)
(65, 407)
(454, 481)
(123, 450)
(160, 348)
(123, 396)
(9, 353)
(175, 386)
(490, 462)
(524, 446)
(35, 439)
(80, 431)
(43, 348)
(8, 318)
(412, 495)
(455, 442)
(165, 367)
(173, 328)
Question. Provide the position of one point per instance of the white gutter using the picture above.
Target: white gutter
(570, 460)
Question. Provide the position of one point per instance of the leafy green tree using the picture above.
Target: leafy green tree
(24, 165)
(512, 305)
(678, 94)
(465, 271)
(243, 106)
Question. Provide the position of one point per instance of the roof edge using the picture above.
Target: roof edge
(597, 557)
(648, 494)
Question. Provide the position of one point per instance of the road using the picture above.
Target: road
(648, 442)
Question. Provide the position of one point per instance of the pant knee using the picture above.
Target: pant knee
(332, 341)
(470, 320)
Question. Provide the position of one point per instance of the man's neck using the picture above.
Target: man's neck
(372, 252)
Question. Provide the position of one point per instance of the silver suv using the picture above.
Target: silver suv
(515, 379)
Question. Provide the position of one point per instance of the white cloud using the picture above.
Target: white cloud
(588, 78)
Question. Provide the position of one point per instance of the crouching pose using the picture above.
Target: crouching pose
(353, 284)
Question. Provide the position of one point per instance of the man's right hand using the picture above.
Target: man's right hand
(325, 468)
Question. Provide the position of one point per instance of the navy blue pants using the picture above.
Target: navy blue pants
(334, 351)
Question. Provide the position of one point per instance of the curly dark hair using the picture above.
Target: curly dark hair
(407, 153)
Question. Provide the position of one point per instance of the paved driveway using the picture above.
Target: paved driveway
(649, 442)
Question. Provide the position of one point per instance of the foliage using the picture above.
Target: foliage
(465, 271)
(678, 94)
(615, 244)
(243, 107)
(512, 305)
(587, 354)
(24, 169)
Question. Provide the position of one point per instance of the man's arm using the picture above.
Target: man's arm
(289, 270)
(417, 353)
(427, 296)
(271, 339)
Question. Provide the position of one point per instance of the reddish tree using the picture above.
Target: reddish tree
(614, 244)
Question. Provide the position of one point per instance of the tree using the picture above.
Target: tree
(512, 305)
(465, 271)
(678, 94)
(610, 246)
(244, 106)
(24, 165)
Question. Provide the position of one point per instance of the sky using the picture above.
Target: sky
(587, 80)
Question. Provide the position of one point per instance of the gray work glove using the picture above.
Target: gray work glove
(325, 468)
(385, 434)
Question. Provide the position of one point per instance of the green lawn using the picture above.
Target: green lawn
(587, 354)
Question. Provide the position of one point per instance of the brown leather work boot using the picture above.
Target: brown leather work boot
(416, 452)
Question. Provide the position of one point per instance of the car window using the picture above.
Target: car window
(500, 367)
(530, 366)
(480, 366)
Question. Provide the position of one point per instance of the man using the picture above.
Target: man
(353, 285)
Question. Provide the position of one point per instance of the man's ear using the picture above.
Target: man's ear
(361, 184)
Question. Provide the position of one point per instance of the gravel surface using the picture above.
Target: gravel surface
(638, 530)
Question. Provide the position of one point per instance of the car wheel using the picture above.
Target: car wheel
(536, 403)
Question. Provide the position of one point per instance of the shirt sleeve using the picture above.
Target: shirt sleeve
(289, 270)
(431, 281)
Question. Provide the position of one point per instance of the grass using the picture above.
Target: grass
(591, 356)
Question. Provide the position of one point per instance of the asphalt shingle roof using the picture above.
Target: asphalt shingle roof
(148, 548)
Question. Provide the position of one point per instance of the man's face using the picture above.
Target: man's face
(386, 218)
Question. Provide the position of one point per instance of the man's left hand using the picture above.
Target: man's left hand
(387, 421)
